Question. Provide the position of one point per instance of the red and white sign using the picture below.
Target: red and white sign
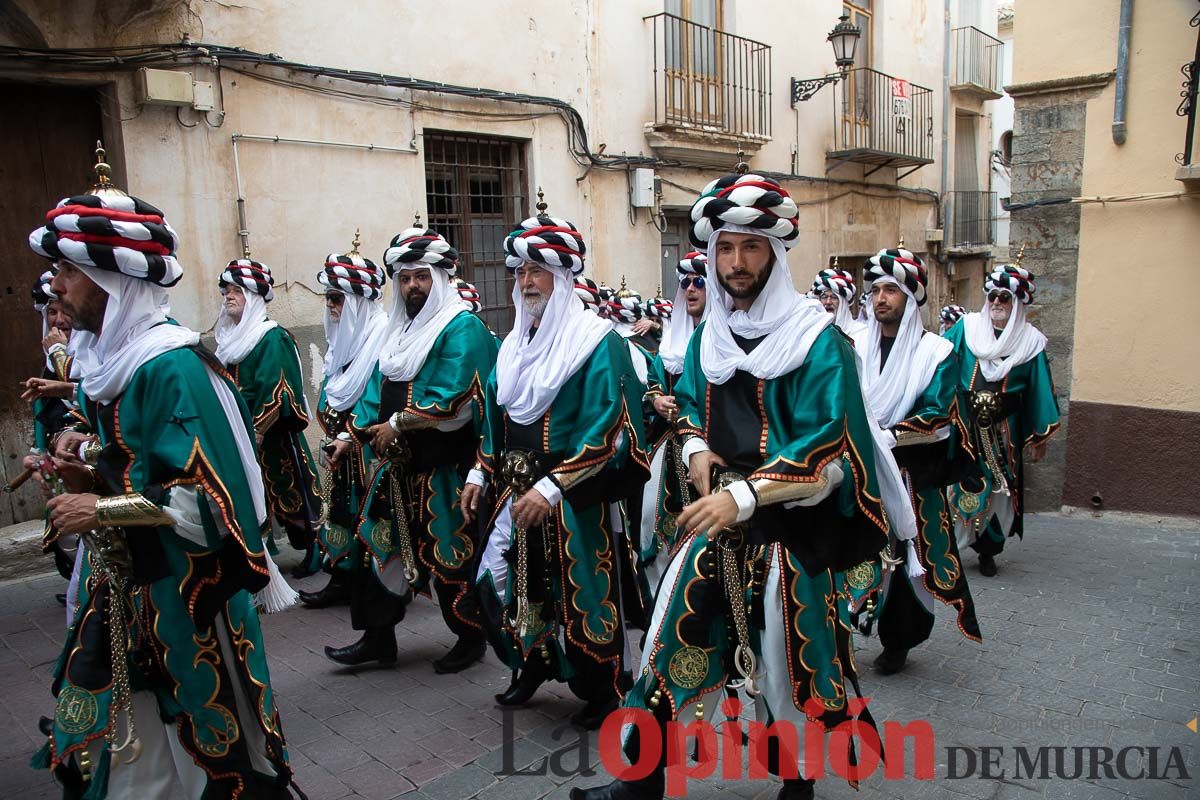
(901, 98)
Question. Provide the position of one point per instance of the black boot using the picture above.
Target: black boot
(466, 651)
(376, 644)
(987, 565)
(889, 662)
(797, 789)
(335, 593)
(307, 565)
(525, 683)
(594, 712)
(651, 787)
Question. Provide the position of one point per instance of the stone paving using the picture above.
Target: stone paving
(1091, 640)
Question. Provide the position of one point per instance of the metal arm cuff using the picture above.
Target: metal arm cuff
(62, 362)
(128, 511)
(408, 421)
(566, 480)
(770, 492)
(906, 437)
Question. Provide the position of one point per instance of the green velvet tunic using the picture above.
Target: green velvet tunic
(270, 381)
(168, 434)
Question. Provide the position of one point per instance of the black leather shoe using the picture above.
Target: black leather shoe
(797, 789)
(619, 790)
(305, 566)
(46, 726)
(466, 651)
(592, 715)
(335, 593)
(987, 566)
(889, 662)
(376, 644)
(524, 684)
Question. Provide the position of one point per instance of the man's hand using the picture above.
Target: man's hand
(665, 405)
(36, 388)
(1037, 451)
(700, 471)
(73, 513)
(711, 514)
(644, 326)
(67, 446)
(55, 336)
(341, 449)
(382, 437)
(472, 493)
(75, 476)
(531, 510)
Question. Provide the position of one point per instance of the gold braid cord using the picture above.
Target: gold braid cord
(129, 511)
(733, 574)
(403, 533)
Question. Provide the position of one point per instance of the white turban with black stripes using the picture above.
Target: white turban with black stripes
(588, 293)
(352, 274)
(838, 281)
(252, 276)
(545, 240)
(117, 233)
(420, 247)
(901, 266)
(625, 306)
(1012, 278)
(657, 308)
(43, 293)
(694, 263)
(751, 200)
(469, 295)
(951, 314)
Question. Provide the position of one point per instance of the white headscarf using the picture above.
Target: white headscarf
(892, 390)
(1019, 342)
(789, 321)
(678, 333)
(408, 341)
(529, 373)
(132, 333)
(355, 341)
(845, 320)
(236, 340)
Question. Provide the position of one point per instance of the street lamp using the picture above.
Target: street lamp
(844, 38)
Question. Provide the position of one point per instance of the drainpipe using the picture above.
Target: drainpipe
(1118, 126)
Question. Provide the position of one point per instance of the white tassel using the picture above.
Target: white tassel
(277, 595)
(913, 565)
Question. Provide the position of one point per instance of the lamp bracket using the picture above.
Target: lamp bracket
(805, 89)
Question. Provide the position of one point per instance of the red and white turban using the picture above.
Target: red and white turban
(657, 308)
(588, 293)
(752, 201)
(625, 306)
(469, 295)
(113, 232)
(545, 240)
(951, 314)
(352, 274)
(1012, 278)
(252, 276)
(903, 267)
(42, 291)
(607, 295)
(838, 281)
(420, 247)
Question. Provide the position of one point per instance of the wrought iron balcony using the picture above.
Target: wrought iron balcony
(977, 65)
(971, 221)
(712, 92)
(882, 121)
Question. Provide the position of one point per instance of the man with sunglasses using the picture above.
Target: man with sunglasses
(1011, 407)
(666, 492)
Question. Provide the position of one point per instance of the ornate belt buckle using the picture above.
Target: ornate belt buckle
(986, 406)
(519, 470)
(731, 538)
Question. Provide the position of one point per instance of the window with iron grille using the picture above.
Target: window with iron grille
(475, 190)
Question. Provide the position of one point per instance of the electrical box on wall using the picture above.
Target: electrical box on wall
(934, 234)
(642, 193)
(164, 87)
(204, 97)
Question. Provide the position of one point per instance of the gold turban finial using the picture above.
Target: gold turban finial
(741, 167)
(417, 220)
(246, 251)
(357, 241)
(1021, 253)
(835, 262)
(541, 204)
(624, 291)
(902, 241)
(103, 170)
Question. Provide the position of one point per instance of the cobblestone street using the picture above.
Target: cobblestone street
(1090, 640)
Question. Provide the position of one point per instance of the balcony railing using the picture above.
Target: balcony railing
(977, 65)
(972, 219)
(709, 80)
(882, 121)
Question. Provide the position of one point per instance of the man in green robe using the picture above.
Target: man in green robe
(1011, 405)
(436, 357)
(265, 363)
(562, 441)
(783, 457)
(910, 381)
(163, 678)
(666, 493)
(348, 404)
